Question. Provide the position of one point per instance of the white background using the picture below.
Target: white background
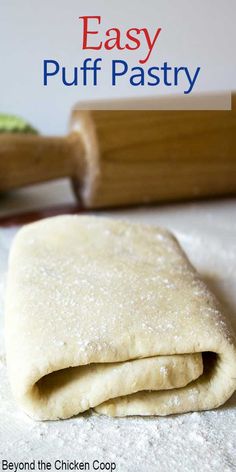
(193, 33)
(31, 30)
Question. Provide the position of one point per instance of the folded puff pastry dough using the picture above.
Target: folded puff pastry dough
(110, 315)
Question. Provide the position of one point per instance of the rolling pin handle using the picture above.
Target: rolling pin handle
(29, 159)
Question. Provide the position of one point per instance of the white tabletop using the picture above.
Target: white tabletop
(191, 442)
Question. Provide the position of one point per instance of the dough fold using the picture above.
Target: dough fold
(110, 315)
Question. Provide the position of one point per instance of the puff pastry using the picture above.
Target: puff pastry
(110, 315)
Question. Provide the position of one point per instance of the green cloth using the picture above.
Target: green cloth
(14, 124)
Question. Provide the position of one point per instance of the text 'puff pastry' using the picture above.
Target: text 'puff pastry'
(110, 315)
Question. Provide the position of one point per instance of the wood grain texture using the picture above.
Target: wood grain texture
(124, 157)
(163, 155)
(29, 159)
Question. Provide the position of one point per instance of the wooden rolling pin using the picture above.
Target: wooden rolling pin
(120, 158)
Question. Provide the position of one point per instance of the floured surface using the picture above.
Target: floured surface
(190, 442)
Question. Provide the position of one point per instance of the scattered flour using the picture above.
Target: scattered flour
(186, 443)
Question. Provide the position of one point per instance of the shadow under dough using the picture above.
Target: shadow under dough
(215, 286)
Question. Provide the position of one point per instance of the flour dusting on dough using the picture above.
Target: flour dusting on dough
(183, 443)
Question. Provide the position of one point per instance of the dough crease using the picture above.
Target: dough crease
(112, 316)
